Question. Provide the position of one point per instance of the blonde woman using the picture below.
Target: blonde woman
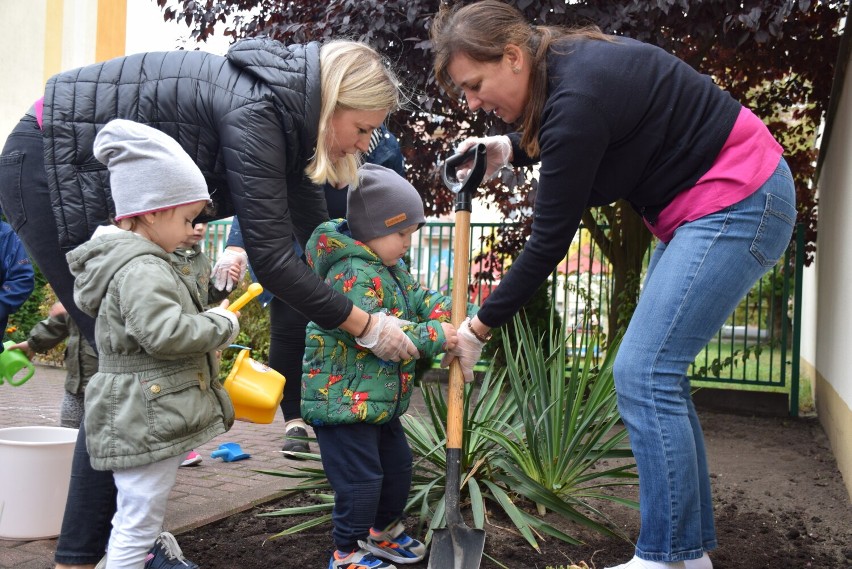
(266, 124)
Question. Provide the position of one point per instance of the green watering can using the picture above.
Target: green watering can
(12, 362)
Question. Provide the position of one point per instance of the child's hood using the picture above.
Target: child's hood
(330, 242)
(95, 263)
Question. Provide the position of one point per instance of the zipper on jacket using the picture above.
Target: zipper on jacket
(392, 271)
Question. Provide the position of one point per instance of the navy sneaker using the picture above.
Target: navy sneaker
(166, 554)
(394, 545)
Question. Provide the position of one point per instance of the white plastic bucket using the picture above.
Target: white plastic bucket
(35, 468)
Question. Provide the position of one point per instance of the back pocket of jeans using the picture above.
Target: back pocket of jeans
(11, 200)
(776, 227)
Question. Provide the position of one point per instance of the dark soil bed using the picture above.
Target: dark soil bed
(780, 504)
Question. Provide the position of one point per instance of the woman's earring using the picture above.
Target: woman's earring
(516, 70)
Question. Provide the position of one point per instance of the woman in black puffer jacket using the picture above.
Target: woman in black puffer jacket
(267, 124)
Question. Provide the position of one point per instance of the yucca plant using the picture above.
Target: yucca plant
(568, 427)
(535, 433)
(485, 407)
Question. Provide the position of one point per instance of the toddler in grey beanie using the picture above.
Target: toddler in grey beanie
(383, 202)
(148, 170)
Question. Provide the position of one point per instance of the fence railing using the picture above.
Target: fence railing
(756, 349)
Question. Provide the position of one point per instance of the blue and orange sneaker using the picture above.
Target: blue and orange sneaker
(394, 545)
(359, 559)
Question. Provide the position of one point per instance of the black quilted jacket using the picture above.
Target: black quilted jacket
(249, 120)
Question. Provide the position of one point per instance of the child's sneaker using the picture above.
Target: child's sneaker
(166, 554)
(191, 459)
(357, 560)
(296, 441)
(394, 545)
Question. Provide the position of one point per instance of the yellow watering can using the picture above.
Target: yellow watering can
(255, 388)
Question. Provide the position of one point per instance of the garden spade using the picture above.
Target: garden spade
(458, 546)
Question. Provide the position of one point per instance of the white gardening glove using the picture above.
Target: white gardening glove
(498, 151)
(468, 351)
(398, 322)
(230, 258)
(386, 339)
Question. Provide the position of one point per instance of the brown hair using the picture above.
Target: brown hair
(482, 31)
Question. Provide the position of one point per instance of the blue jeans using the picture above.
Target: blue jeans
(693, 284)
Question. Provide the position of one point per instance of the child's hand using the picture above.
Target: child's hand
(451, 335)
(57, 310)
(225, 304)
(235, 274)
(232, 258)
(24, 347)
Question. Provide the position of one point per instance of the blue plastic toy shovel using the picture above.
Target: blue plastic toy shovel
(229, 452)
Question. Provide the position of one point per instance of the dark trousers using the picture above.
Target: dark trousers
(88, 512)
(25, 200)
(369, 468)
(286, 351)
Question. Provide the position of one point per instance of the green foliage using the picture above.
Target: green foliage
(536, 313)
(32, 311)
(570, 423)
(537, 437)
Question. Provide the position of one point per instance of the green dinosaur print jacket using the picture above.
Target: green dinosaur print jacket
(342, 382)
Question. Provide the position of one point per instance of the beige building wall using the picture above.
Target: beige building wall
(833, 295)
(40, 38)
(22, 55)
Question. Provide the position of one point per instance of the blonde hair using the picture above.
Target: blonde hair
(352, 77)
(482, 31)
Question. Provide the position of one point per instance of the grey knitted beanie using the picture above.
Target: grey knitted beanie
(383, 202)
(148, 169)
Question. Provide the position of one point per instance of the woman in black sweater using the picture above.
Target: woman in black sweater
(610, 118)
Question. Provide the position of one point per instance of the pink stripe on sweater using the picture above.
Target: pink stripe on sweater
(39, 111)
(746, 161)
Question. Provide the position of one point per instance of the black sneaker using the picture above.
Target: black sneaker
(297, 441)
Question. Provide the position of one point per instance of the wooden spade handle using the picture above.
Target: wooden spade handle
(461, 272)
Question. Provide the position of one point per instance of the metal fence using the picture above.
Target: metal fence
(757, 348)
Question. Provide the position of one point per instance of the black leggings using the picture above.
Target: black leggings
(286, 351)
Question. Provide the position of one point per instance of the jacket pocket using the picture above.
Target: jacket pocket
(176, 405)
(11, 198)
(93, 177)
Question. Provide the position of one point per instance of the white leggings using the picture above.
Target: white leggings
(143, 492)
